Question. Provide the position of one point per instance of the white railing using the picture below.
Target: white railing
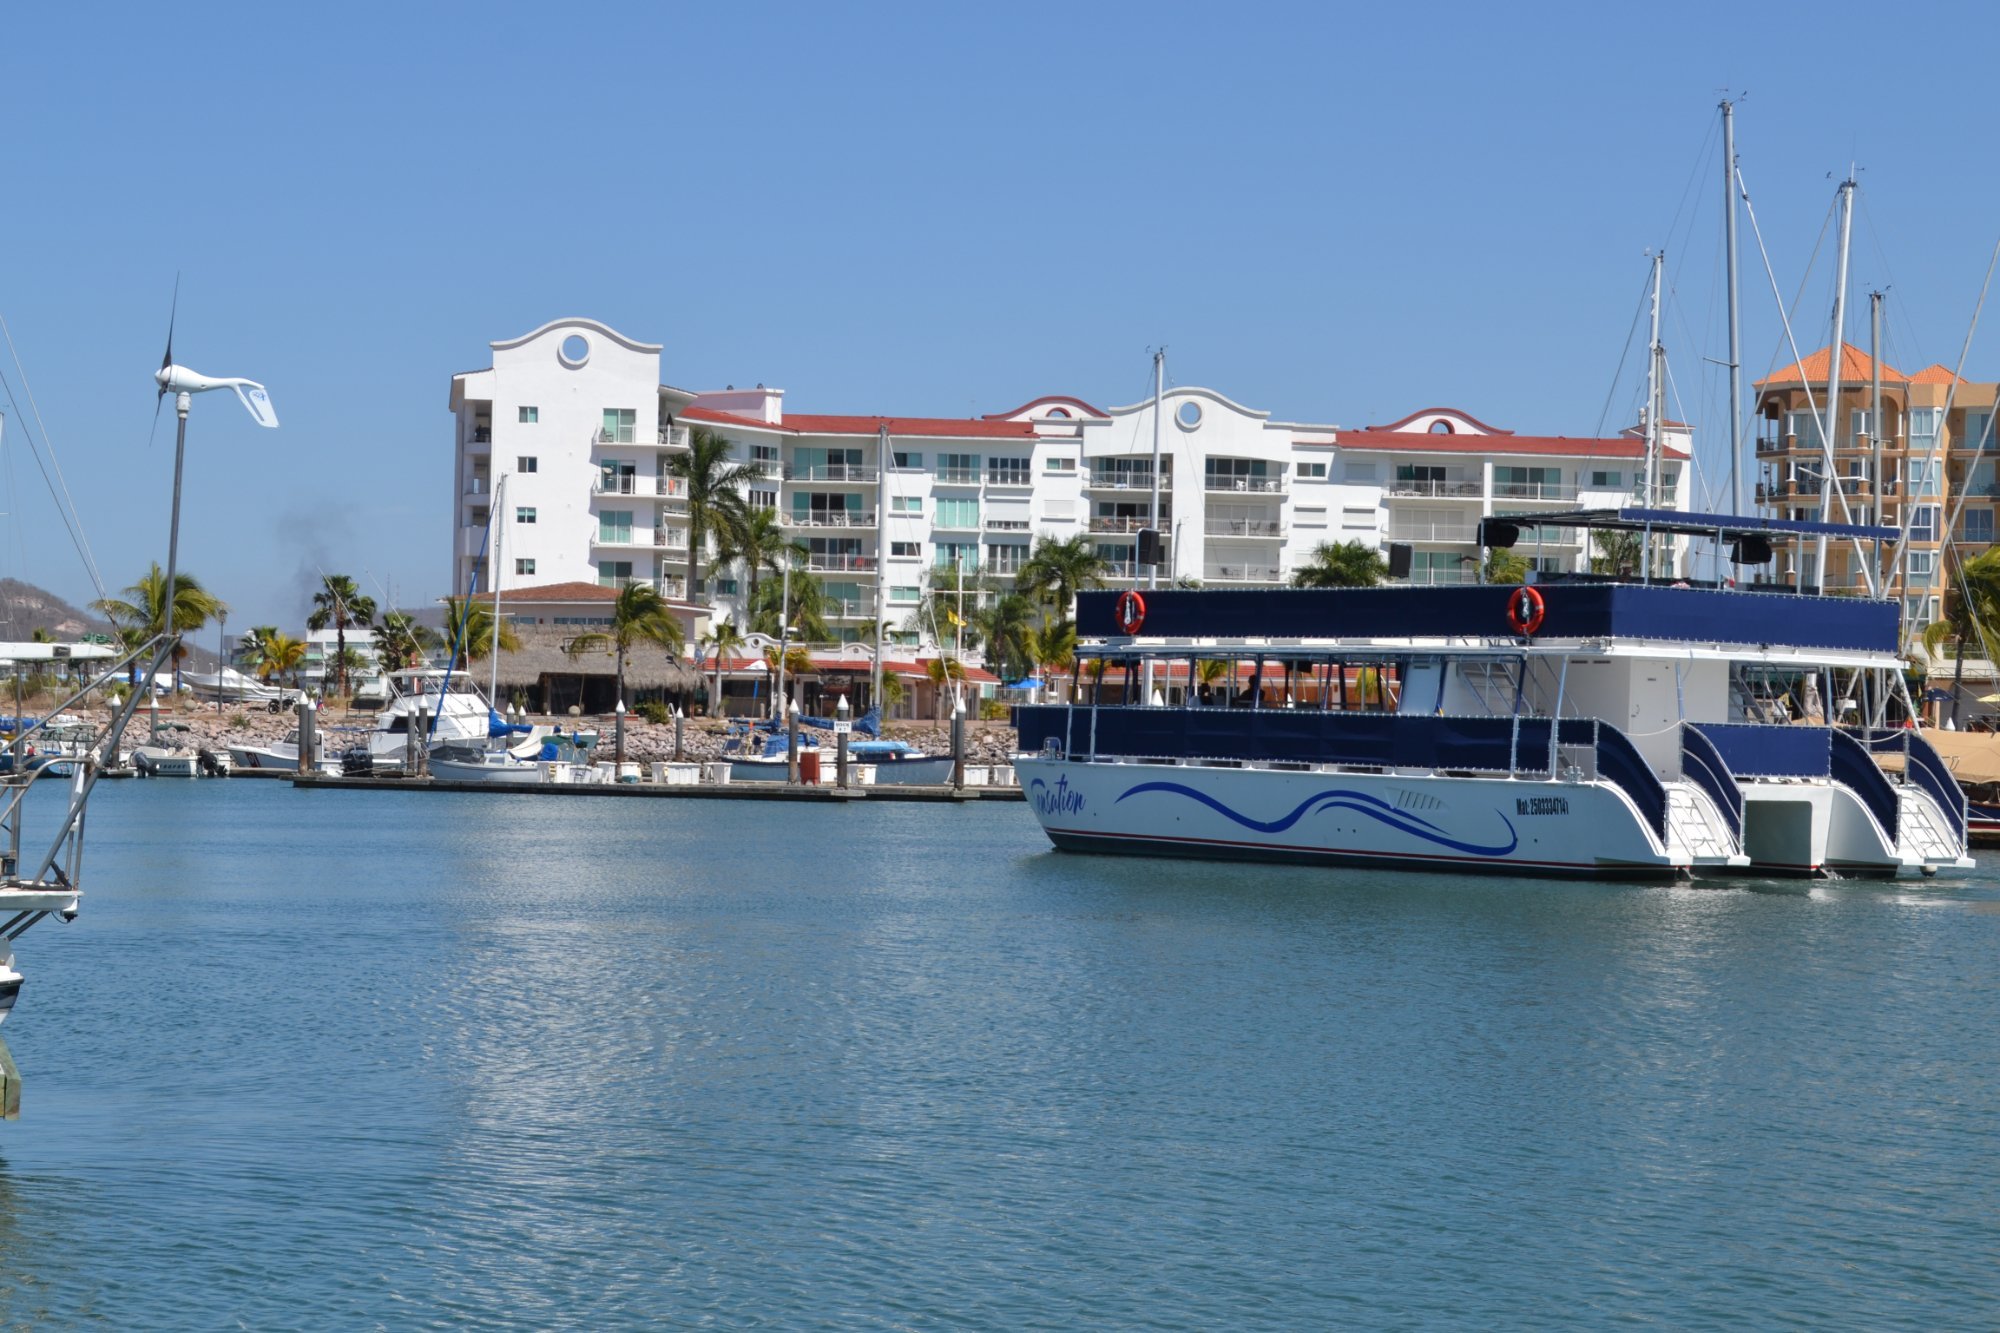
(478, 486)
(1105, 524)
(838, 564)
(1128, 481)
(1252, 485)
(1412, 530)
(674, 508)
(1435, 577)
(955, 524)
(619, 537)
(674, 588)
(676, 487)
(1241, 573)
(828, 518)
(1244, 527)
(672, 539)
(1010, 478)
(831, 472)
(1534, 490)
(675, 437)
(959, 476)
(622, 436)
(1007, 525)
(615, 486)
(1448, 489)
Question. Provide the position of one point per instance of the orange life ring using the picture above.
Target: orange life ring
(1525, 610)
(1131, 611)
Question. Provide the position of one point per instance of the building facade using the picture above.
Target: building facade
(571, 431)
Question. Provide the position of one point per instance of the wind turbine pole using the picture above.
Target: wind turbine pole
(182, 401)
(1735, 327)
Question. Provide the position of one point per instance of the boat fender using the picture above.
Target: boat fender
(1525, 610)
(1131, 611)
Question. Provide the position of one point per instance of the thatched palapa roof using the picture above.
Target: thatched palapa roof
(647, 666)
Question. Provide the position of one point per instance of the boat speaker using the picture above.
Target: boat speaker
(1149, 547)
(1495, 533)
(1399, 560)
(1751, 549)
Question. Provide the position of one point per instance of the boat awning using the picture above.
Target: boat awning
(1729, 526)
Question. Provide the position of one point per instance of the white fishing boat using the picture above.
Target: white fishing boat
(899, 763)
(1580, 725)
(10, 982)
(172, 757)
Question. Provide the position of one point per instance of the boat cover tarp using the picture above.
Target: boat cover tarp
(234, 685)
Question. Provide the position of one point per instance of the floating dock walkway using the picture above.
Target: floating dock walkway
(711, 791)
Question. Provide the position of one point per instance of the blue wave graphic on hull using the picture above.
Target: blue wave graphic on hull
(1340, 798)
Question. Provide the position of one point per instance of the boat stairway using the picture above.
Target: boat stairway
(1697, 831)
(1921, 834)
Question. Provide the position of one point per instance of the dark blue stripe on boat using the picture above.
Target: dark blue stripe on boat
(1574, 611)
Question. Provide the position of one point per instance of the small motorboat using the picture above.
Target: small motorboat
(899, 763)
(10, 982)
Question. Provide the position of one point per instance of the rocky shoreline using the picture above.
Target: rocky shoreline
(986, 742)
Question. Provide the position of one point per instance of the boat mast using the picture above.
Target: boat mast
(1830, 477)
(499, 533)
(1159, 393)
(881, 566)
(1875, 411)
(1735, 327)
(1649, 493)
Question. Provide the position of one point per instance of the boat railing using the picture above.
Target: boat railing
(1925, 767)
(1523, 747)
(1702, 764)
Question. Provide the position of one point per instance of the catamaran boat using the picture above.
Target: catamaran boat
(1603, 727)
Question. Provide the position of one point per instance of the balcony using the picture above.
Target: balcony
(674, 589)
(1128, 481)
(1436, 489)
(822, 563)
(675, 488)
(479, 484)
(1534, 492)
(622, 537)
(1008, 525)
(674, 437)
(828, 518)
(620, 486)
(670, 539)
(1124, 524)
(616, 437)
(831, 472)
(1244, 527)
(1241, 485)
(958, 476)
(673, 508)
(769, 468)
(1405, 529)
(1010, 480)
(1241, 573)
(1433, 578)
(480, 435)
(844, 609)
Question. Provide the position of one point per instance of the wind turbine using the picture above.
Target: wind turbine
(184, 384)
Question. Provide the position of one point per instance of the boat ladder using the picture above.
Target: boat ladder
(1922, 831)
(1694, 827)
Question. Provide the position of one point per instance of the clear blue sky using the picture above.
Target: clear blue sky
(1339, 213)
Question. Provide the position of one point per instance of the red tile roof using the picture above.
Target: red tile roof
(930, 427)
(577, 591)
(1855, 368)
(1499, 446)
(1062, 400)
(1447, 411)
(1935, 374)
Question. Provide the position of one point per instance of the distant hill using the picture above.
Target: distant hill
(24, 608)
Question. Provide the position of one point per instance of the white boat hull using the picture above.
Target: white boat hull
(511, 772)
(156, 763)
(1336, 817)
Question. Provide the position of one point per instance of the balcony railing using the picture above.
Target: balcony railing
(482, 435)
(674, 487)
(843, 608)
(675, 437)
(618, 486)
(1241, 573)
(828, 518)
(831, 472)
(1244, 527)
(1022, 480)
(478, 485)
(616, 437)
(1007, 525)
(1253, 485)
(959, 476)
(1455, 490)
(1430, 578)
(1104, 523)
(673, 508)
(821, 563)
(1406, 530)
(621, 537)
(671, 539)
(1534, 490)
(1128, 481)
(673, 588)
(956, 524)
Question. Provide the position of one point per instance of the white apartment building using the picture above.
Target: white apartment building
(572, 427)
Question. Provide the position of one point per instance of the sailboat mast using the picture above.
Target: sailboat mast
(1830, 477)
(499, 534)
(1875, 410)
(1159, 395)
(881, 565)
(1649, 495)
(1735, 327)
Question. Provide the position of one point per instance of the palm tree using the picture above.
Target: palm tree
(1617, 552)
(942, 670)
(806, 612)
(1346, 565)
(725, 639)
(714, 492)
(1970, 605)
(1056, 571)
(798, 664)
(758, 539)
(640, 615)
(1210, 671)
(340, 603)
(402, 643)
(1052, 648)
(142, 613)
(471, 625)
(1506, 567)
(1004, 629)
(280, 654)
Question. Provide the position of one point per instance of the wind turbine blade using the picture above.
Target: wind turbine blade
(256, 402)
(173, 313)
(159, 401)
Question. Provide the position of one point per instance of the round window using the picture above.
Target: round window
(1188, 415)
(575, 350)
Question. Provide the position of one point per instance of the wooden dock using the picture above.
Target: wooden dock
(699, 791)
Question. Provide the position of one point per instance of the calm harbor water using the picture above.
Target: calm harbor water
(336, 1060)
